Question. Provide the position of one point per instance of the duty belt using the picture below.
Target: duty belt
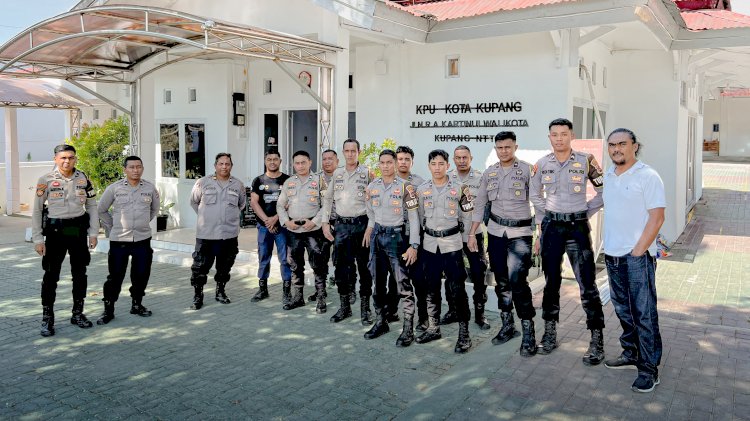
(510, 222)
(566, 217)
(354, 220)
(443, 233)
(380, 229)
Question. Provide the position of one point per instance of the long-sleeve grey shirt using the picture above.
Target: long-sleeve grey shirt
(132, 209)
(218, 205)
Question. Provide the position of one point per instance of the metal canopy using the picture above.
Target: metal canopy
(37, 93)
(104, 43)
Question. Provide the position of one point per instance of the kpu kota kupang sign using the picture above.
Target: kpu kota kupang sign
(465, 115)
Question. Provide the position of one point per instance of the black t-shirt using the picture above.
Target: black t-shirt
(268, 190)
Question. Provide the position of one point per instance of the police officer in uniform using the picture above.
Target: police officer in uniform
(563, 176)
(469, 179)
(330, 161)
(440, 214)
(218, 200)
(71, 227)
(134, 203)
(299, 209)
(347, 193)
(505, 185)
(392, 249)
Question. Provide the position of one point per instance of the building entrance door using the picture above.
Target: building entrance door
(303, 132)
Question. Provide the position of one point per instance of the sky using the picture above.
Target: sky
(18, 15)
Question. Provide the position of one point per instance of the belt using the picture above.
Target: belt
(380, 229)
(443, 233)
(70, 222)
(566, 217)
(510, 222)
(354, 220)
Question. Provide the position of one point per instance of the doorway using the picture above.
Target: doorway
(303, 133)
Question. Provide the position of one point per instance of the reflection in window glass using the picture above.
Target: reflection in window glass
(195, 155)
(170, 150)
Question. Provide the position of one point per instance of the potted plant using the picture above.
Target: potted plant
(163, 216)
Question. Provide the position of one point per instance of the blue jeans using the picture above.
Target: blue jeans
(632, 282)
(266, 240)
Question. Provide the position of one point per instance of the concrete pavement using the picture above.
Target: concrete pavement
(255, 361)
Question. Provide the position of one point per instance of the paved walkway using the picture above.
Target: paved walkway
(255, 361)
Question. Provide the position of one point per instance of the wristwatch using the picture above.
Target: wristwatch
(415, 246)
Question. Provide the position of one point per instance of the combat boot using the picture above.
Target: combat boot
(528, 342)
(549, 339)
(464, 341)
(353, 298)
(595, 354)
(365, 312)
(449, 317)
(314, 296)
(78, 317)
(297, 300)
(421, 325)
(197, 297)
(48, 321)
(407, 334)
(345, 311)
(262, 293)
(108, 314)
(380, 327)
(139, 309)
(479, 318)
(432, 333)
(507, 331)
(286, 289)
(221, 296)
(320, 307)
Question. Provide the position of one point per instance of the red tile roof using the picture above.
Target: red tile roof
(699, 20)
(736, 92)
(456, 9)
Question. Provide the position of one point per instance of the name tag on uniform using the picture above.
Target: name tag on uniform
(233, 193)
(395, 203)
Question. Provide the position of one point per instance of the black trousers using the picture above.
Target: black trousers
(452, 264)
(313, 242)
(140, 255)
(351, 258)
(386, 248)
(56, 246)
(510, 260)
(573, 238)
(478, 269)
(206, 252)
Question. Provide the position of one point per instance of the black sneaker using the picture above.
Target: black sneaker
(620, 363)
(645, 382)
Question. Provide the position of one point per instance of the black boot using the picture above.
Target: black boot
(407, 334)
(352, 297)
(549, 339)
(528, 342)
(262, 293)
(365, 312)
(380, 327)
(507, 331)
(479, 318)
(139, 309)
(320, 307)
(421, 325)
(345, 311)
(314, 296)
(221, 296)
(464, 341)
(108, 314)
(197, 297)
(286, 289)
(48, 321)
(595, 354)
(78, 317)
(449, 317)
(297, 300)
(432, 333)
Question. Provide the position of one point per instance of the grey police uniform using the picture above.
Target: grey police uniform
(72, 218)
(129, 232)
(565, 228)
(510, 233)
(218, 205)
(386, 206)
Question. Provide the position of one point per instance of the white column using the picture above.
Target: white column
(12, 172)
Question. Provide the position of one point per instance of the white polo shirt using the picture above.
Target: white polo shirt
(627, 200)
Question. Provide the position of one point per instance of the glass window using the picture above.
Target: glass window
(195, 155)
(169, 138)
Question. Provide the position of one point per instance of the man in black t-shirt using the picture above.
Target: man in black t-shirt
(263, 198)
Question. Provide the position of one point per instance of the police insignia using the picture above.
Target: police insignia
(576, 178)
(292, 184)
(81, 182)
(516, 184)
(41, 186)
(577, 189)
(39, 192)
(360, 194)
(426, 192)
(492, 174)
(577, 165)
(547, 178)
(534, 169)
(519, 172)
(454, 192)
(312, 199)
(410, 198)
(396, 210)
(55, 184)
(396, 191)
(518, 192)
(313, 184)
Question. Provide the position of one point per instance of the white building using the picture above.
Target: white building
(430, 75)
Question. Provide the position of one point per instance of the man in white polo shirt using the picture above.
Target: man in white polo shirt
(634, 205)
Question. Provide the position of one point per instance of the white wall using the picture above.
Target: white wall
(734, 127)
(29, 175)
(39, 131)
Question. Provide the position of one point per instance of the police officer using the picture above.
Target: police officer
(264, 194)
(392, 249)
(347, 194)
(440, 214)
(563, 176)
(71, 228)
(469, 179)
(299, 209)
(330, 161)
(218, 200)
(505, 185)
(134, 203)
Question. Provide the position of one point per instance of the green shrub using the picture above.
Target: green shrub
(371, 151)
(100, 151)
